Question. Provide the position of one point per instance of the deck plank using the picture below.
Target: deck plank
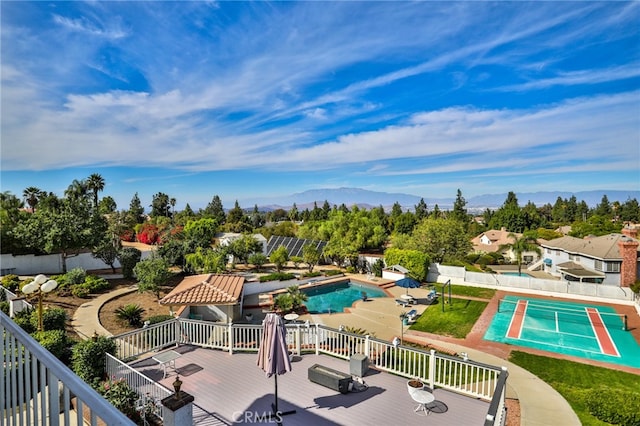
(231, 389)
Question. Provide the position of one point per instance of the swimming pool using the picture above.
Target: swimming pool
(515, 274)
(328, 298)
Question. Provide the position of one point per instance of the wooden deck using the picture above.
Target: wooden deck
(231, 389)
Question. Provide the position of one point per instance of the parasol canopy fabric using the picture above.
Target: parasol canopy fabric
(408, 283)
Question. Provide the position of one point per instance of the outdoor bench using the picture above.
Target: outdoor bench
(330, 378)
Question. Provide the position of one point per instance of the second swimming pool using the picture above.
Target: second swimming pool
(328, 298)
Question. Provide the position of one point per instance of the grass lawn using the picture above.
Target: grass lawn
(574, 380)
(457, 320)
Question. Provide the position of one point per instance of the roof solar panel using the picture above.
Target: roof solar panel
(293, 245)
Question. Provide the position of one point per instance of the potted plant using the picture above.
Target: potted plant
(414, 384)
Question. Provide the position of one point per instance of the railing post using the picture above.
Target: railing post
(317, 339)
(298, 339)
(230, 331)
(432, 368)
(367, 342)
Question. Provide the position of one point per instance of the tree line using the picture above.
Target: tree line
(43, 223)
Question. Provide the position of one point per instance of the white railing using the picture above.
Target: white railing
(455, 374)
(36, 388)
(150, 392)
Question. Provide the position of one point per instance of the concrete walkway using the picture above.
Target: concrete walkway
(86, 319)
(540, 404)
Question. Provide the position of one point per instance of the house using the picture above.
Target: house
(609, 259)
(226, 238)
(493, 241)
(209, 297)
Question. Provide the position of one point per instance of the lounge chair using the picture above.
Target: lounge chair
(411, 316)
(402, 302)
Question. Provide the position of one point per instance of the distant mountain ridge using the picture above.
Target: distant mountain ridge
(368, 199)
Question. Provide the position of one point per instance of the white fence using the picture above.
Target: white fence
(51, 264)
(473, 379)
(560, 288)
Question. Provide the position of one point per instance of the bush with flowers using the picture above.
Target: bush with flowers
(121, 396)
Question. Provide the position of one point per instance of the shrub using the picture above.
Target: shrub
(128, 258)
(4, 307)
(614, 406)
(87, 358)
(11, 282)
(635, 287)
(121, 396)
(80, 291)
(159, 318)
(96, 284)
(312, 274)
(23, 319)
(52, 319)
(130, 313)
(56, 342)
(332, 272)
(277, 276)
(76, 276)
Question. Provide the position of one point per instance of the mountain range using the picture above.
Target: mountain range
(368, 199)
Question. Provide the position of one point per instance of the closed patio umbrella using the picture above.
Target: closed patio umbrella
(273, 354)
(408, 283)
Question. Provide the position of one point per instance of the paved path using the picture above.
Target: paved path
(86, 321)
(540, 404)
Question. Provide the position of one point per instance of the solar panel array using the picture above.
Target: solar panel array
(293, 245)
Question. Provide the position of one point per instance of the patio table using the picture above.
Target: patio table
(167, 360)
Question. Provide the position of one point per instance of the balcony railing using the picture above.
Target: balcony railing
(36, 388)
(455, 374)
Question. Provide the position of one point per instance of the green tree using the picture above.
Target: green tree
(421, 211)
(604, 208)
(509, 216)
(67, 230)
(160, 205)
(107, 205)
(215, 210)
(243, 247)
(415, 261)
(136, 211)
(201, 231)
(151, 274)
(95, 184)
(129, 258)
(258, 260)
(279, 257)
(521, 244)
(206, 261)
(32, 196)
(459, 212)
(107, 250)
(443, 240)
(311, 256)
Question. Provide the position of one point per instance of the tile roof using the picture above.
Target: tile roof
(496, 237)
(206, 289)
(603, 247)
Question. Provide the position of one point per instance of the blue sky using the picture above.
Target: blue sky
(256, 100)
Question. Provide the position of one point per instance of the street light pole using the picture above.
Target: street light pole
(40, 284)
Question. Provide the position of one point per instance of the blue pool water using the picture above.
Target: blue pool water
(337, 296)
(515, 274)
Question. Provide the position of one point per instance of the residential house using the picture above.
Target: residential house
(209, 297)
(494, 241)
(609, 259)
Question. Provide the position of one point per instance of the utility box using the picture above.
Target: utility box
(358, 365)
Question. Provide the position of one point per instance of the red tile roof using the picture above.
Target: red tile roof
(206, 289)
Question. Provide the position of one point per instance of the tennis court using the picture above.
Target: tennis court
(570, 328)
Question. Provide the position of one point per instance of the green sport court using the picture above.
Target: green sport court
(570, 328)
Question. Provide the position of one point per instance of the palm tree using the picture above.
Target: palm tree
(77, 190)
(520, 245)
(32, 196)
(95, 183)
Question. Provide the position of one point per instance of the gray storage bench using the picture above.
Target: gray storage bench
(333, 379)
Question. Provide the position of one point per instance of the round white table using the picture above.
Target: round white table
(291, 317)
(422, 397)
(407, 297)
